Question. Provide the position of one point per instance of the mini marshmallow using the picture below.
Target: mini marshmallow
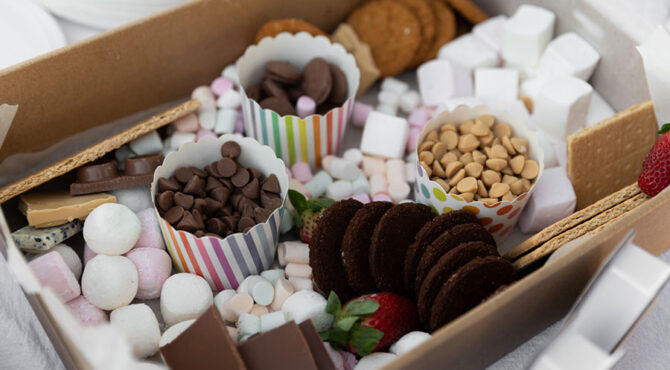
(301, 283)
(318, 184)
(470, 52)
(374, 361)
(598, 110)
(204, 95)
(121, 155)
(395, 171)
(360, 185)
(339, 190)
(140, 328)
(442, 79)
(353, 155)
(411, 157)
(382, 197)
(276, 274)
(308, 305)
(299, 270)
(343, 169)
(153, 267)
(272, 320)
(88, 254)
(137, 198)
(373, 165)
(491, 31)
(527, 34)
(360, 113)
(109, 282)
(413, 138)
(292, 252)
(225, 121)
(283, 290)
(410, 172)
(230, 72)
(561, 149)
(150, 236)
(399, 191)
(239, 124)
(221, 85)
(561, 106)
(301, 171)
(263, 292)
(418, 118)
(285, 221)
(387, 97)
(185, 296)
(378, 183)
(248, 283)
(409, 101)
(300, 187)
(147, 144)
(305, 106)
(52, 271)
(177, 139)
(203, 133)
(408, 342)
(391, 110)
(174, 331)
(233, 333)
(259, 310)
(236, 306)
(552, 200)
(570, 55)
(248, 325)
(394, 85)
(325, 162)
(86, 313)
(207, 117)
(112, 229)
(384, 136)
(497, 84)
(221, 297)
(361, 197)
(230, 99)
(188, 123)
(70, 257)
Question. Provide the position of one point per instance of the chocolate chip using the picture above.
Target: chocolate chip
(227, 183)
(226, 167)
(235, 200)
(270, 200)
(228, 210)
(212, 183)
(247, 211)
(183, 174)
(251, 190)
(271, 184)
(220, 194)
(271, 88)
(198, 172)
(194, 186)
(166, 200)
(245, 223)
(212, 205)
(241, 177)
(256, 174)
(261, 214)
(199, 233)
(213, 235)
(338, 92)
(282, 71)
(213, 169)
(174, 215)
(283, 107)
(231, 222)
(216, 226)
(183, 200)
(254, 92)
(188, 223)
(199, 219)
(168, 184)
(231, 149)
(316, 80)
(199, 204)
(294, 93)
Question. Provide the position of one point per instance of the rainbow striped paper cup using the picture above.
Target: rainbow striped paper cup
(295, 139)
(223, 262)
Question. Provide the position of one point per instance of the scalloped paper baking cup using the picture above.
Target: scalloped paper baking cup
(498, 218)
(223, 262)
(292, 138)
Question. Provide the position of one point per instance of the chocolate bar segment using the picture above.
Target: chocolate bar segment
(284, 348)
(106, 176)
(319, 352)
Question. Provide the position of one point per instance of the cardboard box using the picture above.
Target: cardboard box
(160, 59)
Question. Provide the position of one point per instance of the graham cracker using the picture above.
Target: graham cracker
(97, 150)
(594, 225)
(605, 157)
(573, 220)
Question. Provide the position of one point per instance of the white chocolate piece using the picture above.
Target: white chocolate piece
(343, 169)
(395, 171)
(360, 185)
(231, 99)
(112, 229)
(221, 297)
(552, 200)
(526, 35)
(299, 270)
(500, 84)
(441, 79)
(184, 296)
(283, 290)
(568, 55)
(140, 328)
(275, 274)
(387, 97)
(491, 31)
(470, 52)
(561, 106)
(378, 184)
(372, 165)
(318, 184)
(374, 361)
(225, 121)
(384, 136)
(301, 283)
(399, 191)
(247, 325)
(409, 101)
(308, 305)
(293, 252)
(408, 342)
(598, 110)
(236, 306)
(109, 282)
(272, 320)
(339, 190)
(174, 331)
(353, 155)
(147, 144)
(394, 85)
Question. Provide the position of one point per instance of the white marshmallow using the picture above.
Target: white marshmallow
(353, 155)
(374, 361)
(137, 199)
(339, 190)
(109, 282)
(70, 257)
(451, 104)
(236, 306)
(275, 274)
(247, 325)
(122, 154)
(441, 79)
(410, 169)
(308, 305)
(292, 252)
(177, 139)
(183, 297)
(225, 121)
(272, 320)
(283, 290)
(491, 31)
(318, 184)
(248, 283)
(391, 110)
(300, 284)
(343, 169)
(207, 117)
(147, 144)
(378, 183)
(140, 328)
(112, 229)
(230, 72)
(299, 270)
(174, 331)
(360, 185)
(221, 297)
(394, 85)
(526, 35)
(470, 52)
(547, 145)
(399, 191)
(231, 99)
(204, 95)
(409, 101)
(497, 84)
(395, 171)
(530, 87)
(384, 136)
(387, 97)
(408, 342)
(561, 150)
(553, 199)
(570, 55)
(561, 106)
(263, 292)
(598, 110)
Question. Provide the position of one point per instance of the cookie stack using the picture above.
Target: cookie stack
(449, 263)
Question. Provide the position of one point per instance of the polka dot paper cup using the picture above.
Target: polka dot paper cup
(223, 262)
(295, 139)
(499, 218)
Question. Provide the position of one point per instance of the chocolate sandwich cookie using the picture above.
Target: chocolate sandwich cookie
(98, 178)
(442, 271)
(356, 246)
(449, 240)
(468, 287)
(393, 234)
(428, 233)
(325, 248)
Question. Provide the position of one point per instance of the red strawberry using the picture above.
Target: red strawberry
(308, 212)
(370, 323)
(655, 174)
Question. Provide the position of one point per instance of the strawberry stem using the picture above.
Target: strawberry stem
(665, 128)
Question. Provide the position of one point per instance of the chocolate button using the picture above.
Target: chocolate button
(166, 200)
(271, 88)
(282, 71)
(251, 190)
(198, 172)
(245, 223)
(227, 183)
(254, 92)
(199, 219)
(256, 173)
(338, 92)
(183, 200)
(294, 93)
(283, 107)
(241, 177)
(199, 233)
(231, 222)
(235, 200)
(183, 174)
(97, 172)
(174, 215)
(231, 149)
(316, 80)
(168, 184)
(271, 184)
(226, 167)
(143, 164)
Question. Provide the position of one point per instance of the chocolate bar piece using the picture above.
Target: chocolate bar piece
(34, 240)
(58, 208)
(139, 171)
(284, 348)
(206, 344)
(319, 352)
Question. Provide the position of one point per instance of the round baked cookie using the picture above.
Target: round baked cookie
(468, 10)
(424, 13)
(391, 30)
(290, 25)
(447, 241)
(325, 252)
(444, 268)
(468, 287)
(393, 234)
(446, 28)
(428, 233)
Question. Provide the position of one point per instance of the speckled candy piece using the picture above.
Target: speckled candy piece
(35, 240)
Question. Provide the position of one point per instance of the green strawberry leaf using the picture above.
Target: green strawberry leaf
(314, 206)
(298, 200)
(337, 338)
(665, 128)
(334, 305)
(364, 340)
(297, 220)
(325, 202)
(346, 323)
(361, 307)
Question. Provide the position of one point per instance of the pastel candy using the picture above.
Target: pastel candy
(177, 139)
(378, 183)
(441, 79)
(325, 162)
(203, 132)
(71, 259)
(140, 328)
(308, 305)
(184, 296)
(570, 55)
(153, 267)
(408, 342)
(398, 191)
(258, 310)
(52, 271)
(150, 236)
(318, 184)
(236, 306)
(225, 121)
(248, 325)
(272, 320)
(300, 284)
(373, 165)
(174, 331)
(248, 283)
(137, 198)
(276, 274)
(362, 197)
(561, 106)
(339, 190)
(526, 35)
(301, 171)
(147, 144)
(552, 200)
(298, 270)
(360, 113)
(239, 124)
(353, 155)
(86, 313)
(301, 188)
(413, 137)
(204, 95)
(497, 84)
(382, 197)
(283, 290)
(292, 252)
(207, 117)
(418, 118)
(221, 297)
(109, 282)
(389, 98)
(230, 99)
(470, 52)
(384, 136)
(112, 229)
(598, 110)
(491, 31)
(360, 185)
(395, 171)
(263, 292)
(220, 85)
(305, 106)
(188, 123)
(409, 101)
(343, 169)
(375, 361)
(394, 85)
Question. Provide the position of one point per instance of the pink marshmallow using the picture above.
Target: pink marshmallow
(202, 133)
(381, 197)
(239, 124)
(418, 118)
(362, 197)
(86, 313)
(153, 267)
(88, 254)
(52, 271)
(326, 161)
(221, 85)
(360, 113)
(188, 123)
(150, 236)
(301, 172)
(373, 166)
(412, 138)
(288, 172)
(305, 106)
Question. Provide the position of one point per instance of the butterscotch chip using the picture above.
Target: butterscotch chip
(528, 102)
(467, 143)
(488, 200)
(481, 189)
(426, 157)
(498, 151)
(488, 119)
(508, 145)
(465, 127)
(520, 145)
(516, 187)
(480, 128)
(449, 138)
(474, 169)
(490, 177)
(508, 179)
(426, 145)
(448, 158)
(439, 149)
(517, 163)
(457, 177)
(466, 158)
(453, 190)
(442, 183)
(508, 197)
(426, 168)
(478, 157)
(526, 184)
(502, 129)
(507, 170)
(498, 190)
(438, 170)
(496, 141)
(432, 136)
(449, 127)
(488, 139)
(530, 169)
(468, 197)
(453, 167)
(456, 152)
(467, 185)
(496, 164)
(487, 151)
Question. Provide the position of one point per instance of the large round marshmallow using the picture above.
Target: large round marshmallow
(374, 361)
(154, 267)
(109, 282)
(70, 257)
(151, 236)
(52, 271)
(112, 229)
(308, 305)
(408, 341)
(184, 296)
(140, 327)
(86, 313)
(174, 331)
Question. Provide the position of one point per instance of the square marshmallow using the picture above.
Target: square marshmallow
(569, 54)
(598, 110)
(451, 104)
(491, 31)
(553, 199)
(384, 135)
(561, 106)
(441, 79)
(470, 52)
(527, 34)
(500, 84)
